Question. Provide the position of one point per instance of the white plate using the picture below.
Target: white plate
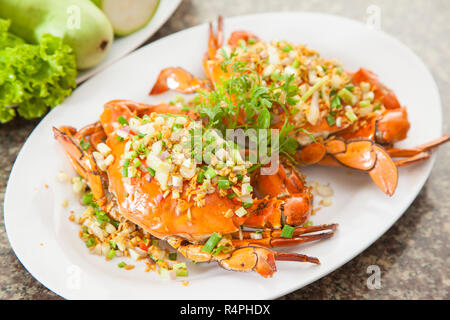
(34, 215)
(124, 45)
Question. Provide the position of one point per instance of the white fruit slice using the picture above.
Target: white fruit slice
(128, 16)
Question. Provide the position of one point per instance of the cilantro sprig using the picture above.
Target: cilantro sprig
(244, 101)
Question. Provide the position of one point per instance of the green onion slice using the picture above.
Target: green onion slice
(151, 171)
(85, 145)
(287, 231)
(223, 183)
(351, 116)
(173, 256)
(122, 120)
(90, 242)
(211, 243)
(111, 254)
(210, 173)
(314, 88)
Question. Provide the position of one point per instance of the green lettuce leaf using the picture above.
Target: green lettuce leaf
(33, 77)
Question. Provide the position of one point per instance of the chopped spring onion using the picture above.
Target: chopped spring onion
(125, 168)
(350, 87)
(335, 103)
(111, 254)
(181, 272)
(180, 269)
(122, 264)
(314, 88)
(90, 242)
(231, 195)
(112, 244)
(210, 173)
(330, 119)
(223, 183)
(119, 138)
(88, 199)
(115, 223)
(137, 163)
(295, 64)
(122, 120)
(287, 48)
(351, 115)
(173, 256)
(308, 223)
(200, 177)
(220, 249)
(181, 265)
(85, 145)
(151, 171)
(364, 104)
(211, 243)
(346, 96)
(287, 231)
(247, 205)
(101, 216)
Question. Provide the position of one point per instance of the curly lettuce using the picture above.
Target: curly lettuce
(33, 78)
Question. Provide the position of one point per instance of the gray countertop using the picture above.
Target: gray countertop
(413, 255)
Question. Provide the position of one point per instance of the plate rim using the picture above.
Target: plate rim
(287, 289)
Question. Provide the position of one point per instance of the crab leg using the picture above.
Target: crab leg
(245, 258)
(283, 242)
(272, 238)
(297, 231)
(401, 153)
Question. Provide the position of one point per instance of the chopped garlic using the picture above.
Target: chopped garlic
(177, 181)
(109, 160)
(62, 176)
(103, 149)
(324, 191)
(241, 212)
(256, 236)
(98, 157)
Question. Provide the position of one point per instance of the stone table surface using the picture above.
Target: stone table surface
(414, 254)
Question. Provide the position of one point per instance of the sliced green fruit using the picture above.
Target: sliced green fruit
(128, 16)
(79, 23)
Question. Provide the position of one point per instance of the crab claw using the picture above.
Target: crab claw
(260, 259)
(82, 161)
(251, 258)
(384, 173)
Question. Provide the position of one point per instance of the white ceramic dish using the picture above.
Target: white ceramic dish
(124, 45)
(47, 243)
